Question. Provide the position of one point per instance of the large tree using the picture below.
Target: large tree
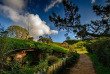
(99, 27)
(16, 32)
(71, 19)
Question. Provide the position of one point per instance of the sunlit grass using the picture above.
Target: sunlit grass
(83, 51)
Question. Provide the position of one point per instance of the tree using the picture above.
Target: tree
(71, 18)
(45, 40)
(16, 32)
(99, 27)
(67, 38)
(1, 30)
(2, 40)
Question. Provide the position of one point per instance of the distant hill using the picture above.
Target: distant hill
(70, 42)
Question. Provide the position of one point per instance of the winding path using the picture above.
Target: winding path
(83, 66)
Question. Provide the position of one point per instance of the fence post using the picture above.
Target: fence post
(38, 72)
(53, 69)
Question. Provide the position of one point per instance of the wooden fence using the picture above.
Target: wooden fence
(53, 69)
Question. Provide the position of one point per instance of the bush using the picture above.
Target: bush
(101, 48)
(70, 42)
(13, 68)
(100, 69)
(79, 46)
(52, 59)
(28, 58)
(42, 64)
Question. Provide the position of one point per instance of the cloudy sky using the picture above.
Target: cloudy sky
(35, 13)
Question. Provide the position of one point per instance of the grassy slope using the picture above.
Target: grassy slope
(70, 42)
(10, 44)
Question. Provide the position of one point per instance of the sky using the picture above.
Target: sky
(35, 14)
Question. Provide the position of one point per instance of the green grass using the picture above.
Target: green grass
(83, 51)
(100, 69)
(9, 44)
(72, 41)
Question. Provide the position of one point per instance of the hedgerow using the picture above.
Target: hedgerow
(101, 48)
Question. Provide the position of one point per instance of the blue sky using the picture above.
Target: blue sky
(38, 7)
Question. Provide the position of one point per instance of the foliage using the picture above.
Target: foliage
(45, 40)
(71, 18)
(42, 64)
(1, 29)
(101, 48)
(13, 68)
(72, 62)
(75, 57)
(79, 46)
(52, 59)
(97, 28)
(28, 58)
(65, 45)
(67, 38)
(16, 32)
(100, 69)
(70, 42)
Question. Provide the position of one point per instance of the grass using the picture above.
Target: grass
(72, 41)
(9, 44)
(83, 51)
(100, 69)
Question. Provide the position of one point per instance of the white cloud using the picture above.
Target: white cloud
(52, 4)
(17, 5)
(37, 27)
(93, 1)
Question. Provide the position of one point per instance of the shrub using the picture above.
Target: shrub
(72, 41)
(28, 58)
(42, 64)
(13, 68)
(101, 48)
(52, 60)
(100, 69)
(79, 46)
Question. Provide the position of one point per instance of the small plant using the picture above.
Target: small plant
(28, 58)
(52, 60)
(13, 68)
(42, 64)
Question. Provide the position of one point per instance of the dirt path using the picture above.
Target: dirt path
(84, 66)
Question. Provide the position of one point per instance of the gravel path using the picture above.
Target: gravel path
(83, 66)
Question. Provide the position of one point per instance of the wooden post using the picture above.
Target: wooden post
(38, 72)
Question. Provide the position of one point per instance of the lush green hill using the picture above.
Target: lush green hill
(9, 44)
(72, 41)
